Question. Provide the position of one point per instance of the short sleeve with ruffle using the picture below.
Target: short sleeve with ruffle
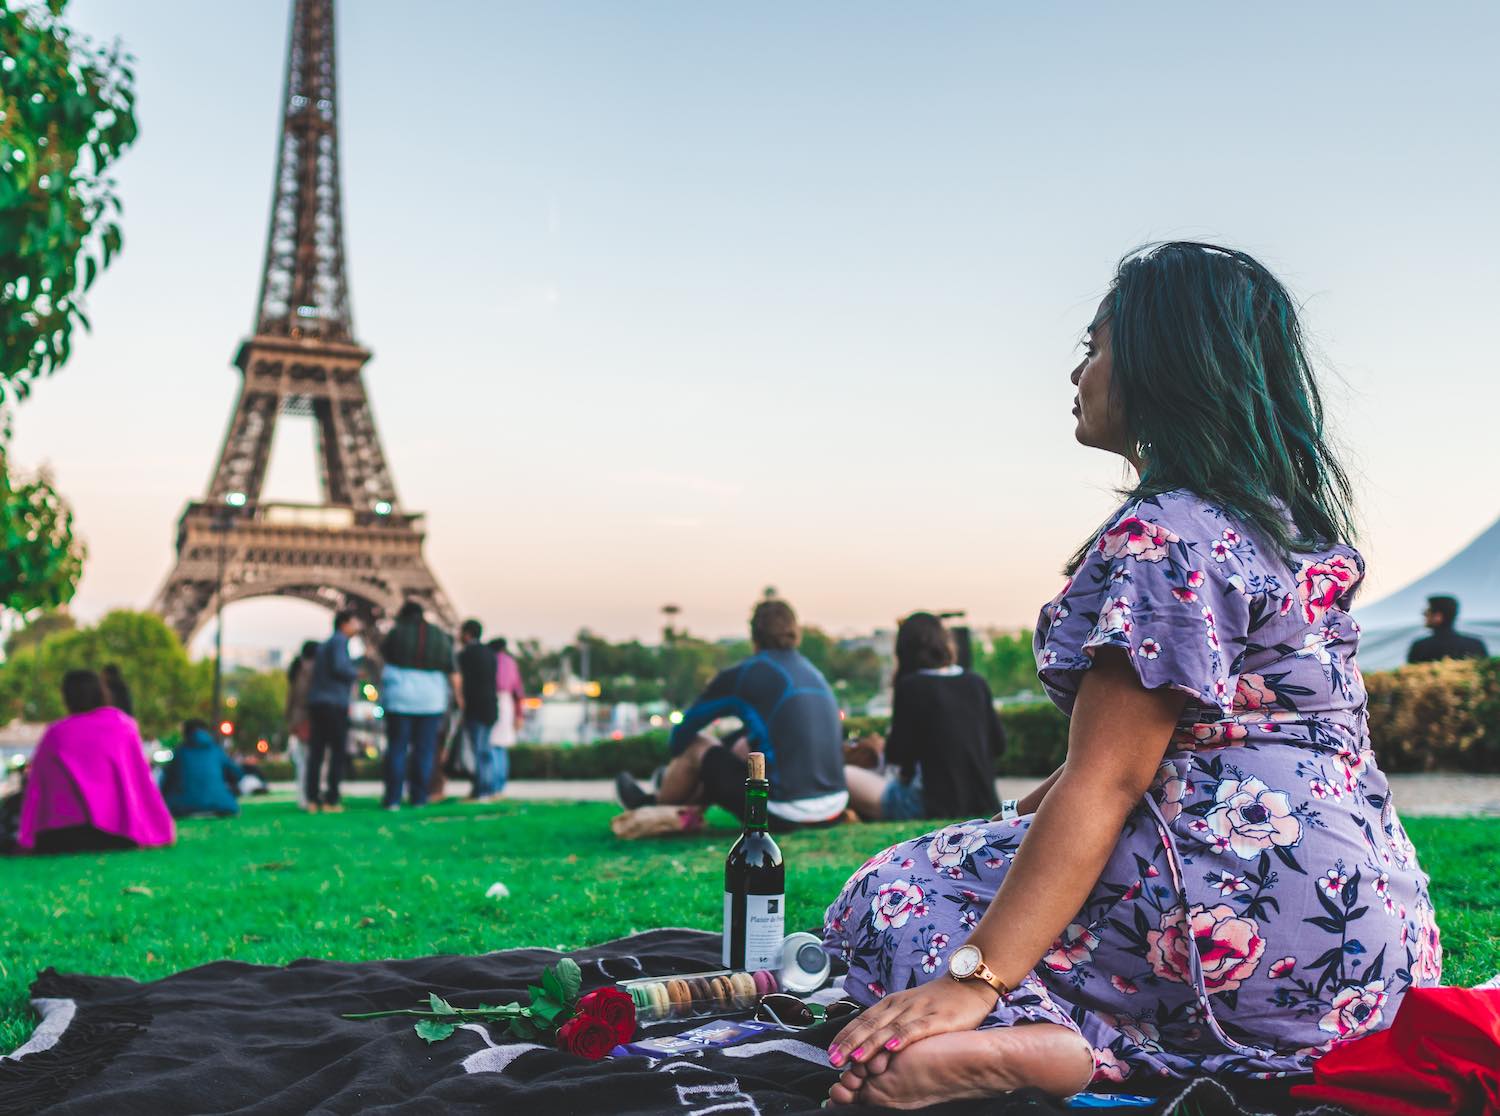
(1162, 584)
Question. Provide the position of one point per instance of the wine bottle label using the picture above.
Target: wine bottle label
(765, 928)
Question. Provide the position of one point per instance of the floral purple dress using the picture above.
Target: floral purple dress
(1263, 902)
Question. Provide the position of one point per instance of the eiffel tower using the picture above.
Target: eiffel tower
(358, 548)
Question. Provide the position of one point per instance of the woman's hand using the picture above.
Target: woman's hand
(938, 1007)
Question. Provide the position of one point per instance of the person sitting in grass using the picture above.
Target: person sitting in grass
(943, 737)
(787, 711)
(201, 778)
(88, 785)
(1215, 881)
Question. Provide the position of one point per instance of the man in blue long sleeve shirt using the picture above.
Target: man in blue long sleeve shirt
(788, 712)
(334, 673)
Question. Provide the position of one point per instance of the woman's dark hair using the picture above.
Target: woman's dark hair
(1218, 395)
(922, 643)
(192, 727)
(83, 690)
(309, 650)
(116, 692)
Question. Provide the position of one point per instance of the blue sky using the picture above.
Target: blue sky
(672, 301)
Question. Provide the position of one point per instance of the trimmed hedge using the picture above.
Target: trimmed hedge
(1433, 717)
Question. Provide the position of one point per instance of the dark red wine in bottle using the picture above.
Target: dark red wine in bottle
(754, 884)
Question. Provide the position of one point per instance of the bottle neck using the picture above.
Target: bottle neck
(757, 794)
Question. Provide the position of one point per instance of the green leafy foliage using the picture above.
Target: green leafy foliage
(40, 559)
(256, 706)
(434, 1031)
(67, 111)
(165, 686)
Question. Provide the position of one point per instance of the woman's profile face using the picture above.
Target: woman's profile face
(1100, 418)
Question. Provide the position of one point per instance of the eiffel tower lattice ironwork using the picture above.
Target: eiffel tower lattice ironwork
(358, 548)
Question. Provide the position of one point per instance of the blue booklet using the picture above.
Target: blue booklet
(713, 1034)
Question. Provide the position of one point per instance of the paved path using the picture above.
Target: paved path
(1439, 795)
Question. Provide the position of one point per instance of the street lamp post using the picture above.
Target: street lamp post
(223, 521)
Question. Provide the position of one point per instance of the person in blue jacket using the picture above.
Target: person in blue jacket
(787, 711)
(201, 778)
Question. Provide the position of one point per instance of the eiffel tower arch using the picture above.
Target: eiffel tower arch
(359, 548)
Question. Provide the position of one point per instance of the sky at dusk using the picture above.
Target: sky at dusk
(671, 301)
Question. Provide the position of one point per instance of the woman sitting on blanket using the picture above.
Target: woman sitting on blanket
(943, 737)
(88, 785)
(1215, 881)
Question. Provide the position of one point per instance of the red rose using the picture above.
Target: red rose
(614, 1007)
(588, 1036)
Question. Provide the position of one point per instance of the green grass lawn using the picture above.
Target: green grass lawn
(276, 884)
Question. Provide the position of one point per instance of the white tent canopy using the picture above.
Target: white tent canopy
(1472, 576)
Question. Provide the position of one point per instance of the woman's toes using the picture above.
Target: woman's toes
(877, 1064)
(840, 1095)
(852, 1081)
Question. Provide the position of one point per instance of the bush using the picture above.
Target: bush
(1432, 717)
(1437, 716)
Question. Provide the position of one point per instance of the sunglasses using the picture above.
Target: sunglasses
(788, 1011)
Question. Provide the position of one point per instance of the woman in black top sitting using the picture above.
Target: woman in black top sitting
(939, 756)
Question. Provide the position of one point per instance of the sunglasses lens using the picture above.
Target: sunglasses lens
(778, 1007)
(842, 1009)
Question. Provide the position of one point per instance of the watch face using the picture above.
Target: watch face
(964, 961)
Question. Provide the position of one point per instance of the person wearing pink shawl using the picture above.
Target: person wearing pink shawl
(89, 786)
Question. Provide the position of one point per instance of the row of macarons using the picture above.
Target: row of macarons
(700, 993)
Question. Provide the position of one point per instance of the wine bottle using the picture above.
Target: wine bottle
(754, 884)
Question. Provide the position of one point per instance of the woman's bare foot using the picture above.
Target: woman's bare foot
(967, 1064)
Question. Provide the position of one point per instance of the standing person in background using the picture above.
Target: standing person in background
(333, 674)
(1444, 642)
(415, 689)
(511, 698)
(478, 705)
(296, 716)
(943, 738)
(116, 690)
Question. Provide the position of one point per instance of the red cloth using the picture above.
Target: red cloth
(1440, 1054)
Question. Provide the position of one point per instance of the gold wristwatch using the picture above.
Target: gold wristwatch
(967, 963)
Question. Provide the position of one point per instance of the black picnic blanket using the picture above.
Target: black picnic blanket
(257, 1040)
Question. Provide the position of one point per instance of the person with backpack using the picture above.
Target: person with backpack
(415, 688)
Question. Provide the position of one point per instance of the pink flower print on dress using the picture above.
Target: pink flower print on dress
(1137, 538)
(1186, 596)
(1210, 630)
(1109, 1068)
(1249, 817)
(1428, 967)
(1283, 967)
(1320, 584)
(1228, 883)
(1333, 882)
(875, 862)
(953, 845)
(1075, 947)
(1355, 1010)
(1251, 692)
(1218, 550)
(1149, 648)
(1141, 1033)
(1229, 946)
(1171, 791)
(1123, 986)
(1208, 734)
(896, 902)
